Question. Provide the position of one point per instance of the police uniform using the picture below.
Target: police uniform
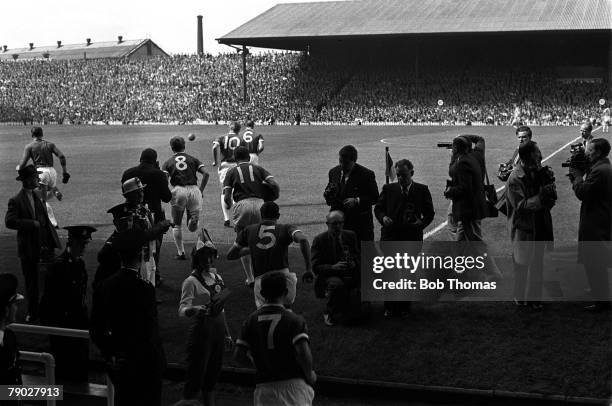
(270, 334)
(10, 369)
(124, 326)
(64, 305)
(268, 243)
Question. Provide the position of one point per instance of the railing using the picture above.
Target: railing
(49, 362)
(50, 368)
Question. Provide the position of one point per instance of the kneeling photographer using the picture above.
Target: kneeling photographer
(530, 193)
(593, 187)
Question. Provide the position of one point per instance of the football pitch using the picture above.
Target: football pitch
(561, 350)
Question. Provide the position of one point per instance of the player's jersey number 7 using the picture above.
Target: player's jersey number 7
(274, 319)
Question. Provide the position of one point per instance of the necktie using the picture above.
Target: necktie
(339, 249)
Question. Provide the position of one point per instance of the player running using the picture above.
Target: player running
(275, 341)
(223, 149)
(41, 152)
(182, 170)
(267, 244)
(254, 142)
(605, 120)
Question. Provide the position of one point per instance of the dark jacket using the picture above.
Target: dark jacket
(529, 217)
(467, 188)
(361, 184)
(124, 321)
(10, 369)
(403, 211)
(19, 217)
(157, 190)
(324, 255)
(595, 192)
(63, 303)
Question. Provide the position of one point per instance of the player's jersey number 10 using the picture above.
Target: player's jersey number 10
(231, 142)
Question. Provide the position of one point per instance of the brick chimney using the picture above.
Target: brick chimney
(59, 44)
(31, 46)
(200, 37)
(88, 41)
(119, 39)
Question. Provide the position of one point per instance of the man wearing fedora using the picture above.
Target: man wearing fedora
(63, 304)
(36, 237)
(10, 371)
(132, 214)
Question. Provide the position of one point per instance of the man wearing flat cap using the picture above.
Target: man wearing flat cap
(36, 237)
(63, 304)
(10, 371)
(157, 191)
(124, 326)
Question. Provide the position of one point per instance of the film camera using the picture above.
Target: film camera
(504, 171)
(577, 159)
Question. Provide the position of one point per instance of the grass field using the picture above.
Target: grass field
(474, 345)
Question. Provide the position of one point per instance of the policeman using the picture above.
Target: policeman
(10, 371)
(124, 326)
(63, 304)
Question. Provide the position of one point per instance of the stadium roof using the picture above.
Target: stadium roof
(341, 19)
(95, 50)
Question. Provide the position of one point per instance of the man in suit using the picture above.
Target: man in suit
(157, 191)
(335, 262)
(352, 189)
(36, 237)
(124, 326)
(523, 135)
(403, 209)
(595, 228)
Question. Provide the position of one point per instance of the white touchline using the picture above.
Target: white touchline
(499, 189)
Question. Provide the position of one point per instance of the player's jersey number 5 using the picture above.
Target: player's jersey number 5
(267, 239)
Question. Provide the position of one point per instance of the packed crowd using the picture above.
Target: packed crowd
(185, 88)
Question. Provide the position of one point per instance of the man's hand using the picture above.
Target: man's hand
(387, 221)
(166, 224)
(575, 173)
(65, 177)
(35, 224)
(308, 276)
(58, 195)
(214, 164)
(340, 266)
(350, 202)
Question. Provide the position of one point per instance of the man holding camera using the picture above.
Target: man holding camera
(523, 135)
(530, 195)
(595, 228)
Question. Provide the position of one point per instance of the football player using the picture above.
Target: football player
(182, 170)
(254, 142)
(223, 149)
(41, 152)
(249, 185)
(605, 120)
(275, 341)
(267, 244)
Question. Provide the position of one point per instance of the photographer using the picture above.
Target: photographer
(531, 194)
(523, 135)
(466, 190)
(595, 228)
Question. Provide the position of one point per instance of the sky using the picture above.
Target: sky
(170, 24)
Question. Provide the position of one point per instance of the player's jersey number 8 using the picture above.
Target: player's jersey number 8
(180, 163)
